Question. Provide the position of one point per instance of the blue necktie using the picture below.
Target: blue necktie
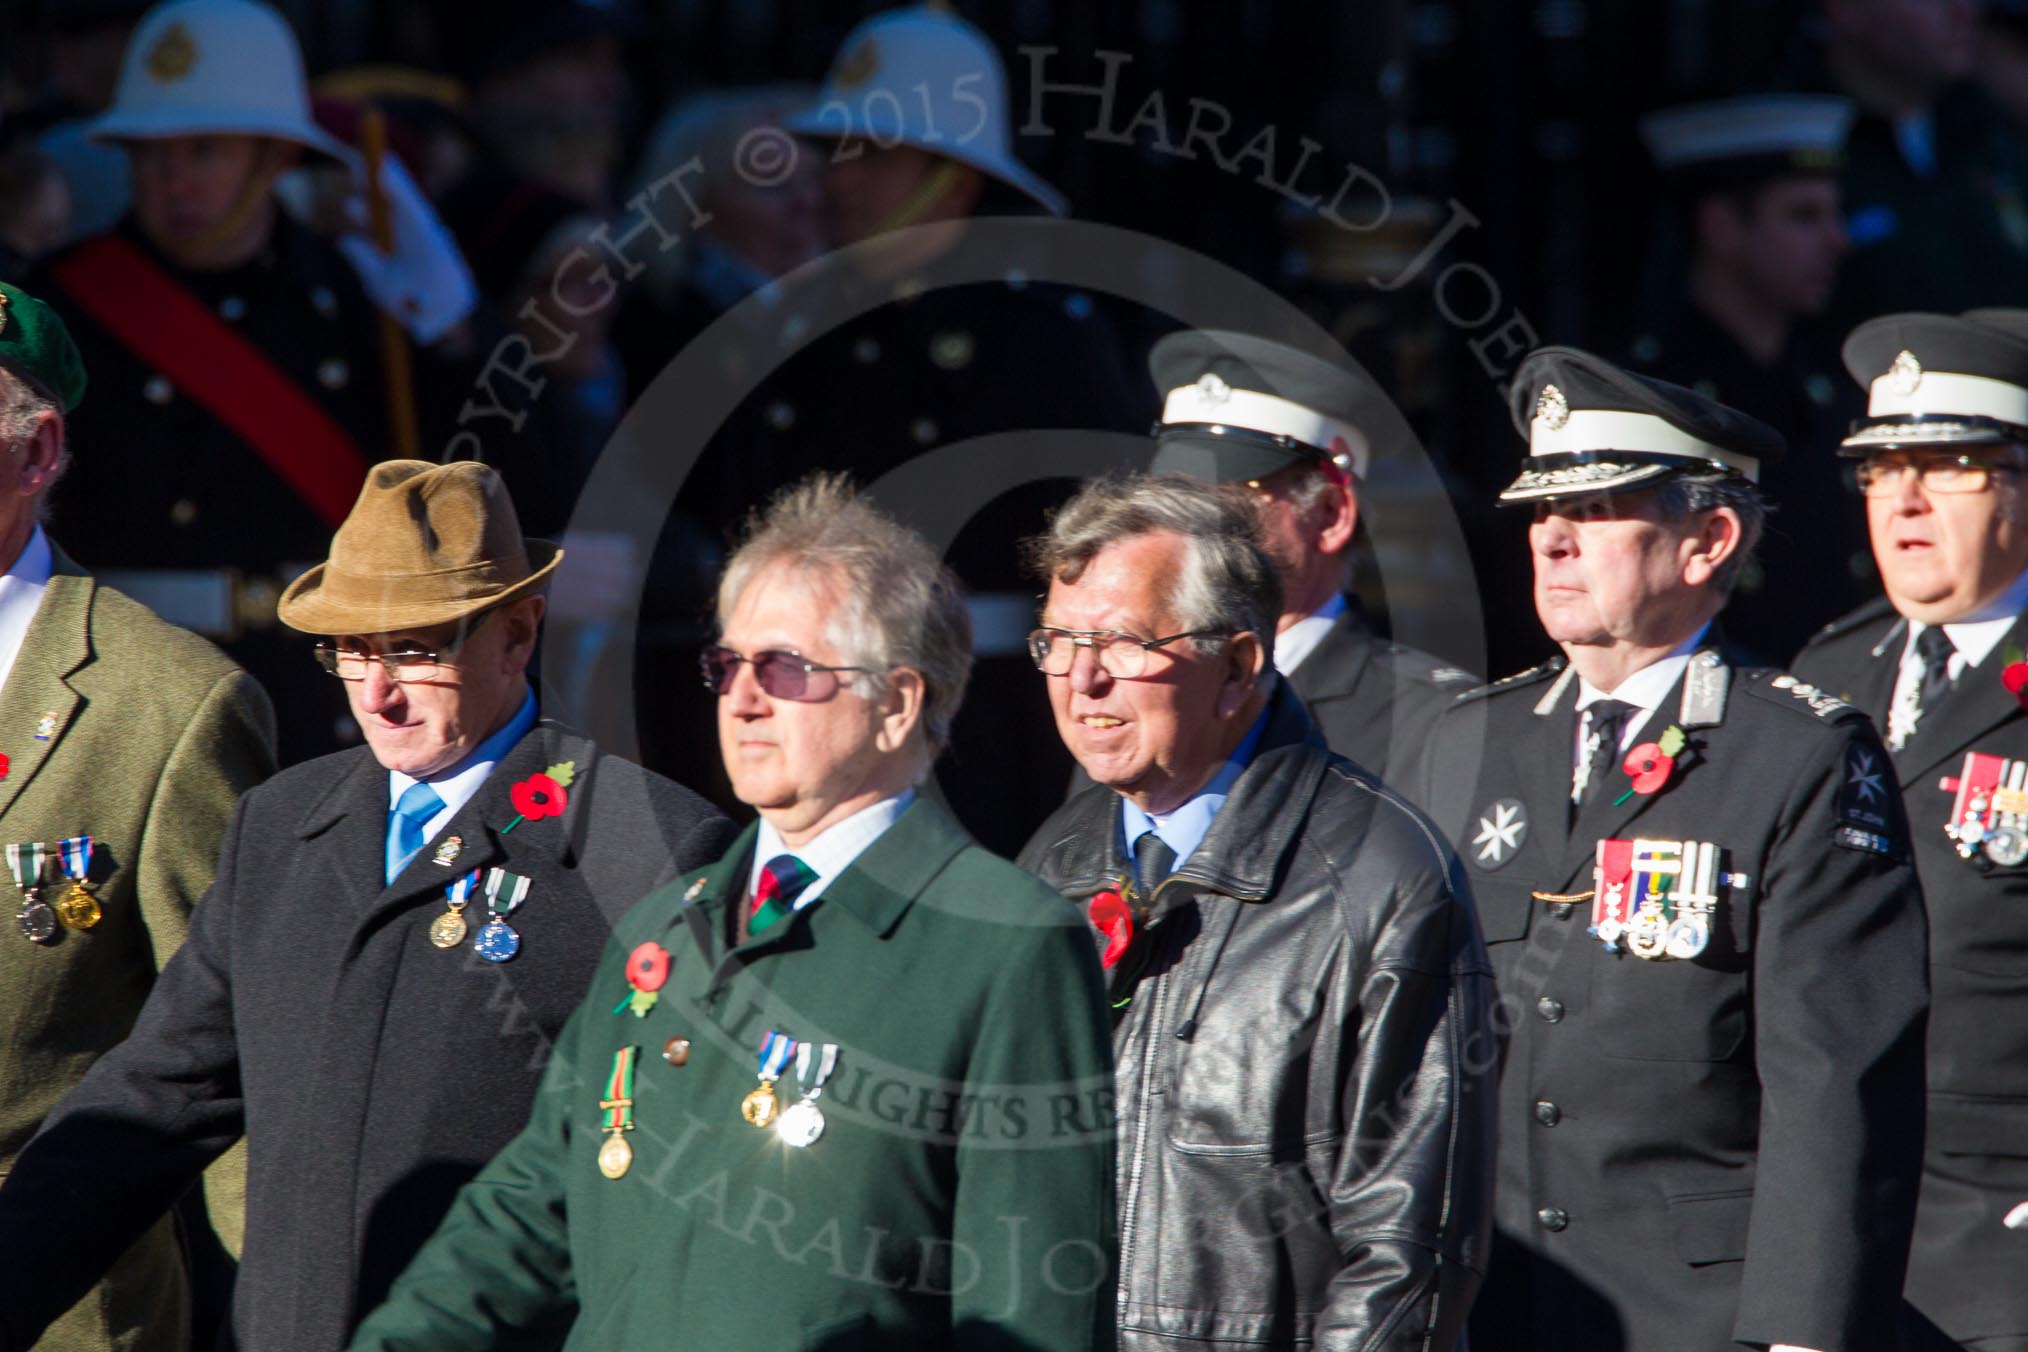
(417, 804)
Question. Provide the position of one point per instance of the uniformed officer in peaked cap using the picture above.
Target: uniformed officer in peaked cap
(1301, 432)
(1943, 467)
(1752, 183)
(1694, 883)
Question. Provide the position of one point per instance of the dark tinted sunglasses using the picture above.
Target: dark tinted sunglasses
(782, 673)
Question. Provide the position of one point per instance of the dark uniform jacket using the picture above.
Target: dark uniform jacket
(1966, 1269)
(1374, 701)
(1305, 1137)
(959, 1196)
(1723, 1148)
(151, 737)
(370, 1072)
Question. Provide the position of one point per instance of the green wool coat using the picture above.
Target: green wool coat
(151, 735)
(961, 1195)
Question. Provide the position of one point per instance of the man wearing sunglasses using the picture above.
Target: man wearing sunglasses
(856, 1088)
(1942, 463)
(1305, 1148)
(395, 937)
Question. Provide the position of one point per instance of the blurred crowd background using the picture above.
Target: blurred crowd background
(1509, 199)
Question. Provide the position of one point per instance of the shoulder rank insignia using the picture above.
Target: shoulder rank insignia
(1821, 703)
(1542, 672)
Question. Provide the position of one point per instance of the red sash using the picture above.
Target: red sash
(220, 371)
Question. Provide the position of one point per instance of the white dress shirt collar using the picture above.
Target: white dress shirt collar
(1646, 688)
(831, 851)
(1973, 639)
(1300, 639)
(21, 594)
(458, 787)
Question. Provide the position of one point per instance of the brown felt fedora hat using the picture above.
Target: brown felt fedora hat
(425, 544)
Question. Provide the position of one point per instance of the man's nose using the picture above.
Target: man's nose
(743, 696)
(1087, 677)
(1552, 537)
(378, 689)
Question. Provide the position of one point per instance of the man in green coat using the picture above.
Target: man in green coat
(124, 743)
(848, 1087)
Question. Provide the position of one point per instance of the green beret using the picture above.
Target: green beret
(36, 346)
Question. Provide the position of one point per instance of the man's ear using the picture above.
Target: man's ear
(41, 455)
(1245, 658)
(1717, 538)
(523, 621)
(901, 708)
(1338, 513)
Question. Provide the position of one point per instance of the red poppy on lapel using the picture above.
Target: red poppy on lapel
(1115, 919)
(647, 971)
(542, 795)
(2015, 677)
(1651, 763)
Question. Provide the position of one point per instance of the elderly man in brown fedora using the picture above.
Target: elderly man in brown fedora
(372, 985)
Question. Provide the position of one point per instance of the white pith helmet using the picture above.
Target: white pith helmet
(214, 68)
(924, 77)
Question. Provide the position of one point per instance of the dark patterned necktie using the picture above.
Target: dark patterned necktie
(1608, 723)
(1153, 862)
(1934, 647)
(782, 879)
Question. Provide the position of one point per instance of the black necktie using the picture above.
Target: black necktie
(1153, 861)
(1608, 722)
(1934, 647)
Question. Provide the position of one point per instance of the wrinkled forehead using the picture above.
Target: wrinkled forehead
(1128, 585)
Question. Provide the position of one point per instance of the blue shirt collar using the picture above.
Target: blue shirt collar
(1184, 829)
(457, 785)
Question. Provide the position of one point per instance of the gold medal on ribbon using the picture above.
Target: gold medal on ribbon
(616, 1156)
(449, 929)
(760, 1105)
(78, 908)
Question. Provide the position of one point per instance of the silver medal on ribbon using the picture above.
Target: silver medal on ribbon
(803, 1121)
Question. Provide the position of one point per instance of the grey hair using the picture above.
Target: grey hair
(22, 404)
(21, 407)
(1227, 584)
(1684, 495)
(898, 605)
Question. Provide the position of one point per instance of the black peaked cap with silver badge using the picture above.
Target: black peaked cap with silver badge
(1592, 427)
(1940, 380)
(1238, 407)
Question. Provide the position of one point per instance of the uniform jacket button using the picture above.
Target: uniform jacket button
(1553, 1218)
(1550, 1010)
(1547, 1113)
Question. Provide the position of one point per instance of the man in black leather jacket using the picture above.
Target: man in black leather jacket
(1300, 993)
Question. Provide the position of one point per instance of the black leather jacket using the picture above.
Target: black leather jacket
(1305, 1065)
